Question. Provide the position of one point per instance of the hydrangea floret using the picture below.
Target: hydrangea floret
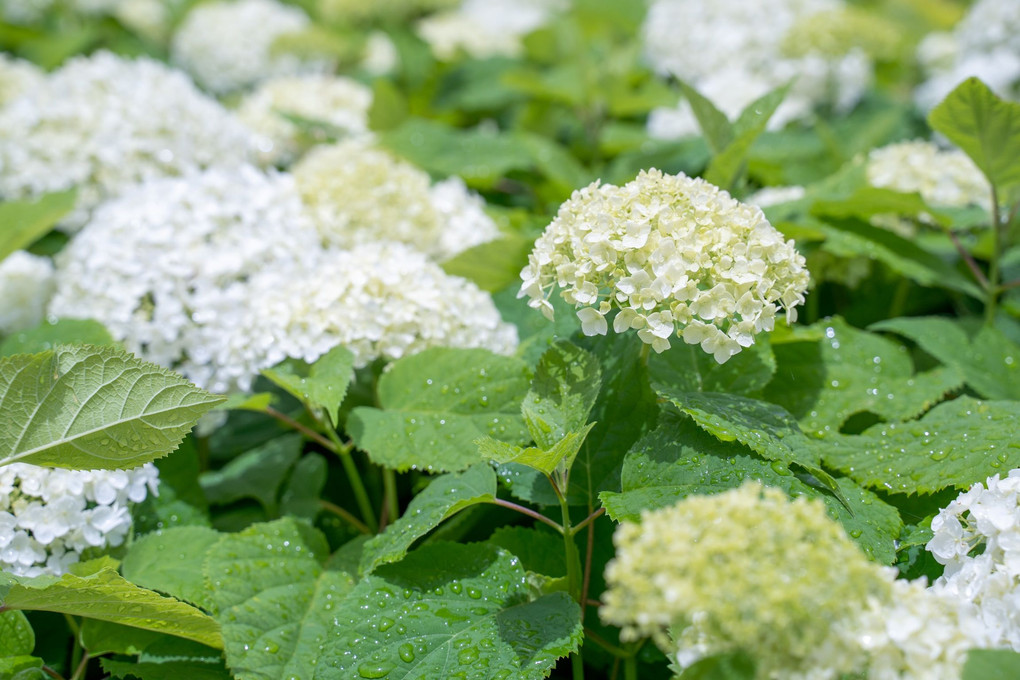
(49, 517)
(675, 255)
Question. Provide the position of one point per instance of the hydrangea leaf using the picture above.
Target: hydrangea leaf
(728, 165)
(956, 444)
(991, 664)
(103, 637)
(322, 384)
(302, 494)
(169, 670)
(171, 561)
(734, 666)
(273, 598)
(16, 635)
(257, 474)
(985, 126)
(23, 222)
(687, 368)
(562, 394)
(241, 401)
(560, 455)
(539, 549)
(97, 591)
(443, 497)
(824, 382)
(435, 404)
(50, 334)
(677, 459)
(767, 429)
(715, 126)
(22, 668)
(989, 361)
(493, 265)
(88, 407)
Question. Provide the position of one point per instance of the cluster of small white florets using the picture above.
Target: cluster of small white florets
(358, 193)
(17, 77)
(160, 264)
(103, 123)
(946, 178)
(378, 300)
(985, 44)
(26, 284)
(48, 517)
(341, 103)
(675, 255)
(734, 52)
(228, 45)
(486, 28)
(985, 518)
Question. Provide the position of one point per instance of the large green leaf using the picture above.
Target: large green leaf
(989, 361)
(991, 664)
(687, 368)
(538, 548)
(322, 384)
(955, 445)
(985, 126)
(170, 561)
(443, 497)
(435, 404)
(824, 382)
(48, 335)
(16, 635)
(714, 124)
(726, 167)
(23, 222)
(678, 459)
(257, 474)
(562, 393)
(95, 590)
(169, 670)
(93, 408)
(493, 265)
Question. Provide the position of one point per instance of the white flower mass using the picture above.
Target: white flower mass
(946, 178)
(49, 517)
(104, 123)
(486, 28)
(16, 77)
(26, 284)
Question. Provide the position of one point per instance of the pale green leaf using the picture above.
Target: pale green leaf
(257, 474)
(989, 361)
(322, 384)
(241, 401)
(16, 635)
(734, 666)
(560, 455)
(105, 595)
(442, 498)
(493, 265)
(562, 394)
(23, 222)
(985, 126)
(93, 408)
(22, 668)
(170, 561)
(955, 445)
(824, 382)
(714, 124)
(48, 335)
(435, 404)
(302, 495)
(727, 166)
(991, 664)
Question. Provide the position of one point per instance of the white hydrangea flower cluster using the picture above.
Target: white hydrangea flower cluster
(26, 284)
(17, 77)
(486, 28)
(987, 516)
(378, 300)
(734, 52)
(358, 193)
(49, 517)
(675, 255)
(103, 123)
(340, 102)
(228, 45)
(985, 44)
(946, 178)
(161, 264)
(769, 196)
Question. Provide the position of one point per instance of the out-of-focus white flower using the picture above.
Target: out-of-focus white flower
(26, 284)
(945, 178)
(48, 517)
(486, 28)
(676, 255)
(358, 193)
(380, 56)
(17, 77)
(103, 123)
(228, 45)
(341, 103)
(734, 52)
(161, 264)
(378, 300)
(985, 518)
(985, 44)
(769, 196)
(24, 11)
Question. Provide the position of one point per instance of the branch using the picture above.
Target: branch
(527, 511)
(303, 429)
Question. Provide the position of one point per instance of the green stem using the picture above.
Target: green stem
(527, 511)
(573, 575)
(390, 494)
(52, 673)
(344, 515)
(630, 668)
(899, 300)
(79, 671)
(353, 475)
(993, 268)
(300, 427)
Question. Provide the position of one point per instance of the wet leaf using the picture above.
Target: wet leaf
(16, 635)
(22, 222)
(322, 384)
(256, 474)
(170, 561)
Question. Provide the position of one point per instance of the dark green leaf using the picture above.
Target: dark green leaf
(686, 368)
(257, 474)
(302, 494)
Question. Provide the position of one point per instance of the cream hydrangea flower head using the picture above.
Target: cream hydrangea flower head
(340, 102)
(676, 255)
(486, 28)
(747, 569)
(946, 178)
(103, 123)
(227, 45)
(358, 193)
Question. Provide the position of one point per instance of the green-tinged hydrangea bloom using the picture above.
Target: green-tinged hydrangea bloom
(748, 569)
(675, 255)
